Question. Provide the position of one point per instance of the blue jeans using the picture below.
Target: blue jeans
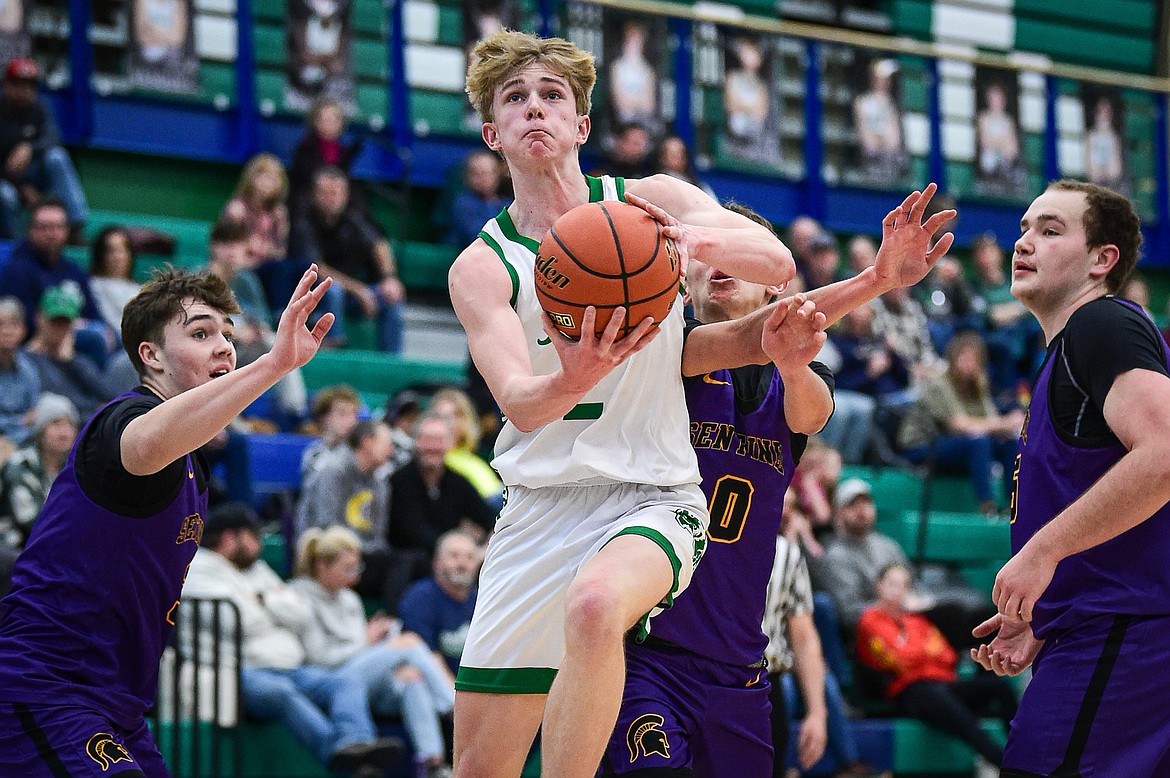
(841, 743)
(973, 455)
(828, 624)
(324, 709)
(849, 428)
(52, 172)
(419, 702)
(390, 323)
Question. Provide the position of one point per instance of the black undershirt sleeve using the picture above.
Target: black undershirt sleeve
(1102, 340)
(102, 476)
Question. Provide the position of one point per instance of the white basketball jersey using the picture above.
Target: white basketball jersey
(632, 427)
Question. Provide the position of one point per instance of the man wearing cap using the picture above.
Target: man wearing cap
(53, 350)
(326, 710)
(34, 164)
(29, 472)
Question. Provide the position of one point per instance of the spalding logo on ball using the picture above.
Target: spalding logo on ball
(606, 254)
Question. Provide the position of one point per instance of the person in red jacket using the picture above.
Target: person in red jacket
(919, 665)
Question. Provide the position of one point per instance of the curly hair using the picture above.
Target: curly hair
(500, 55)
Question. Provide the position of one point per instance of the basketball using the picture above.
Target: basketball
(606, 254)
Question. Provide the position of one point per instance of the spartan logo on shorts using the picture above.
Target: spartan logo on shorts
(646, 736)
(690, 521)
(102, 749)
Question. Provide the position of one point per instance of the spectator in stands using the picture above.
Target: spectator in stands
(862, 252)
(259, 203)
(346, 245)
(946, 298)
(319, 147)
(480, 200)
(35, 165)
(855, 555)
(334, 414)
(801, 232)
(918, 665)
(674, 159)
(455, 406)
(62, 367)
(20, 381)
(438, 609)
(28, 473)
(39, 262)
(326, 710)
(957, 425)
(629, 155)
(401, 412)
(351, 488)
(254, 329)
(1137, 290)
(111, 274)
(819, 266)
(401, 675)
(900, 319)
(1012, 335)
(429, 499)
(812, 488)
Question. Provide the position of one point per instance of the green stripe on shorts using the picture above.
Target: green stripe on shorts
(584, 411)
(505, 680)
(643, 625)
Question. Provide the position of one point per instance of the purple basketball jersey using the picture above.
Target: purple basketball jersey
(93, 595)
(720, 614)
(1126, 575)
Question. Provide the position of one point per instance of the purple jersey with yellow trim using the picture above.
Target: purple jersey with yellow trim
(746, 461)
(93, 596)
(1129, 574)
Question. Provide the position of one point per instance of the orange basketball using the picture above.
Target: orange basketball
(606, 254)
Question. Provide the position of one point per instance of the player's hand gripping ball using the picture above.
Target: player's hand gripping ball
(606, 254)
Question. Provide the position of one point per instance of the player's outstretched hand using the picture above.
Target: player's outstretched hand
(1011, 650)
(1020, 583)
(679, 233)
(295, 344)
(905, 255)
(590, 358)
(793, 333)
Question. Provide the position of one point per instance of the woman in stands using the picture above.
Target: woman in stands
(111, 274)
(401, 675)
(957, 425)
(455, 406)
(319, 147)
(259, 203)
(918, 665)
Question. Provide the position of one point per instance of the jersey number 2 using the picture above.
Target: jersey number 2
(730, 502)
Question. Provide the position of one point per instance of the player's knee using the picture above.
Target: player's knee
(593, 613)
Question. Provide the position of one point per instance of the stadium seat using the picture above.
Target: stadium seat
(263, 465)
(379, 376)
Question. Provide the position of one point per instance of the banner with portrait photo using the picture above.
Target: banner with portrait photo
(634, 70)
(751, 109)
(1000, 167)
(482, 18)
(880, 156)
(162, 46)
(1105, 161)
(320, 63)
(14, 38)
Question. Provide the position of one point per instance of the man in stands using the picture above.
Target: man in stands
(34, 164)
(438, 609)
(347, 246)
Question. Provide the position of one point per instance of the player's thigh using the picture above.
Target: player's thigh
(1096, 705)
(40, 741)
(494, 732)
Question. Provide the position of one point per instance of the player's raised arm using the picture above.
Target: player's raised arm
(481, 292)
(702, 227)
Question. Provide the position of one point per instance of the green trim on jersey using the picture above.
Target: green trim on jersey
(505, 680)
(596, 189)
(643, 625)
(496, 247)
(508, 227)
(620, 185)
(584, 412)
